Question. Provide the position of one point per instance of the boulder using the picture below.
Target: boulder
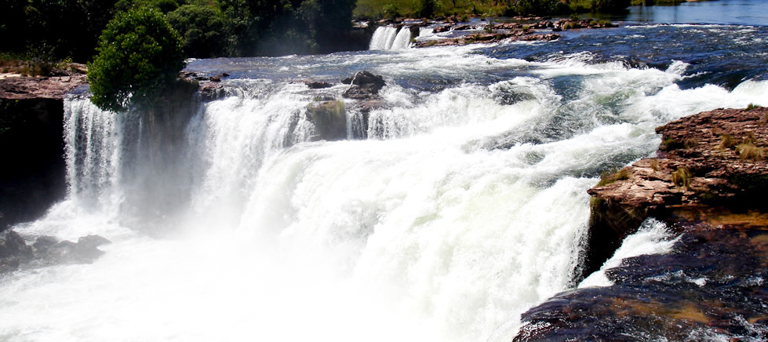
(84, 251)
(13, 251)
(318, 84)
(363, 85)
(330, 120)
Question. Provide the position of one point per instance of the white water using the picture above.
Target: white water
(390, 38)
(652, 237)
(422, 233)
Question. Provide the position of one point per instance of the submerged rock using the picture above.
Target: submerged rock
(47, 250)
(13, 251)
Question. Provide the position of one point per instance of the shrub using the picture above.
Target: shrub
(390, 11)
(748, 151)
(139, 56)
(727, 141)
(204, 29)
(682, 177)
(613, 176)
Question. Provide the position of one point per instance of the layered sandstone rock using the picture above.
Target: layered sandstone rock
(707, 184)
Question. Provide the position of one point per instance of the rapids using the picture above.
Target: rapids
(466, 205)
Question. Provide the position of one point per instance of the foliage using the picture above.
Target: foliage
(63, 28)
(427, 8)
(748, 151)
(610, 6)
(727, 141)
(139, 55)
(422, 8)
(613, 176)
(682, 177)
(204, 29)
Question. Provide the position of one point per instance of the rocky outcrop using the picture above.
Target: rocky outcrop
(706, 184)
(710, 288)
(21, 88)
(33, 176)
(491, 37)
(46, 250)
(524, 29)
(709, 164)
(363, 86)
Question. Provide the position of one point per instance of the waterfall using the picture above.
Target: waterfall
(234, 220)
(390, 38)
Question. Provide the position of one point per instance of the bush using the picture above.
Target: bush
(204, 29)
(139, 56)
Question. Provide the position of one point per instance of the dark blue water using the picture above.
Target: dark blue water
(735, 12)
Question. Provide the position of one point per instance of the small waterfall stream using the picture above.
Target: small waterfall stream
(390, 38)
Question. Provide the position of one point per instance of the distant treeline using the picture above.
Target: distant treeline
(489, 8)
(60, 29)
(70, 29)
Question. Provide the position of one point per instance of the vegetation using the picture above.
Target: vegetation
(140, 55)
(727, 141)
(748, 151)
(420, 8)
(613, 176)
(682, 177)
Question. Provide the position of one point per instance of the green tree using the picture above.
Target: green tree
(139, 56)
(204, 29)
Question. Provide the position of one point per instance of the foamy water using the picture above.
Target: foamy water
(465, 207)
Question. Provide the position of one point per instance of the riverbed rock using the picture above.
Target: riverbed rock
(713, 160)
(13, 251)
(83, 252)
(707, 184)
(330, 120)
(363, 85)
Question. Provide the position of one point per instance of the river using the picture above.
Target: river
(465, 206)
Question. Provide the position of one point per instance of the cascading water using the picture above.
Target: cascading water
(465, 206)
(390, 38)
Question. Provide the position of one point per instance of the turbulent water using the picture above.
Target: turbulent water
(465, 206)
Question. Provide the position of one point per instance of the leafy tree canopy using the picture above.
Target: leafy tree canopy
(204, 28)
(139, 56)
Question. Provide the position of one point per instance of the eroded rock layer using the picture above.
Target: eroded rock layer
(706, 184)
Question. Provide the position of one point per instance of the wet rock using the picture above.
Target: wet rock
(318, 84)
(42, 243)
(330, 120)
(711, 285)
(210, 91)
(709, 160)
(84, 251)
(13, 251)
(706, 184)
(363, 85)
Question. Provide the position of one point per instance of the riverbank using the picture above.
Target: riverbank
(706, 185)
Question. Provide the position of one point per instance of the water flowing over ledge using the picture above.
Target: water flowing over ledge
(465, 206)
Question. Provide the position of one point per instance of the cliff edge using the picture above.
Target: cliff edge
(707, 184)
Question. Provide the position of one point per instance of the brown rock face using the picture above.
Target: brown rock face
(19, 88)
(707, 183)
(709, 165)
